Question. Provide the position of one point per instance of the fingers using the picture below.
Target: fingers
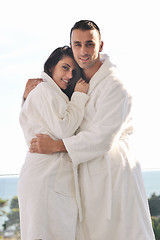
(33, 82)
(33, 140)
(81, 80)
(82, 87)
(33, 147)
(30, 85)
(34, 144)
(39, 135)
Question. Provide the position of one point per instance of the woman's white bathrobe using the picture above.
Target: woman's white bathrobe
(46, 191)
(113, 199)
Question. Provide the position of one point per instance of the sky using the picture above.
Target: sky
(30, 30)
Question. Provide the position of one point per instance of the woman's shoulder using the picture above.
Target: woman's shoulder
(52, 94)
(45, 93)
(38, 93)
(44, 88)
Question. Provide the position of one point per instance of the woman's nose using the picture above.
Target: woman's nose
(69, 74)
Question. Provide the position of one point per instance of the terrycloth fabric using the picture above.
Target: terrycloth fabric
(114, 202)
(46, 191)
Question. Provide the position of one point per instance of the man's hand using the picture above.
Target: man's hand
(46, 145)
(30, 85)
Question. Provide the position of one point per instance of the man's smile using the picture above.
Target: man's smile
(84, 59)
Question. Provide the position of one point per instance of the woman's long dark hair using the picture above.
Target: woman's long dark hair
(52, 61)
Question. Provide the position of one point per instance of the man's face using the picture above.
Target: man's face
(86, 46)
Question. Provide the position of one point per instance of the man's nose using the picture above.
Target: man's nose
(83, 50)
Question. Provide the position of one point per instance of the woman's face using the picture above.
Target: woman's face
(63, 71)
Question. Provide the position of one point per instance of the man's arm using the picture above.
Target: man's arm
(30, 85)
(44, 144)
(104, 128)
(108, 123)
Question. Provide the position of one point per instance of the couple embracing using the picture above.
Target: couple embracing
(80, 179)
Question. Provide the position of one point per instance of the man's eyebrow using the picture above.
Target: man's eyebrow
(77, 42)
(89, 41)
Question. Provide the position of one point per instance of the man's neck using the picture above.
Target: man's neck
(89, 72)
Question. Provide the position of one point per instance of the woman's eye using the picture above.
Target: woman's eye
(66, 68)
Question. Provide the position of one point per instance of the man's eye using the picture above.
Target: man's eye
(89, 44)
(77, 45)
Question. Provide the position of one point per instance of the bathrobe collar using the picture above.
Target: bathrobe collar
(51, 82)
(105, 70)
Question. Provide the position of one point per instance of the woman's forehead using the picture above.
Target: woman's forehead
(68, 61)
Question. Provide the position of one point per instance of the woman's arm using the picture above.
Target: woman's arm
(62, 117)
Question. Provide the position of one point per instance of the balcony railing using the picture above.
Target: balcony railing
(9, 210)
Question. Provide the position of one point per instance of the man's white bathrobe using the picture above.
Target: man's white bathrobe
(113, 200)
(46, 191)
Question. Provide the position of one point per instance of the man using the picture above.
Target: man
(113, 200)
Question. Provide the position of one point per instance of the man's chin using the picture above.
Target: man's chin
(83, 65)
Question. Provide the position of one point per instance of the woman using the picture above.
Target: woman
(48, 208)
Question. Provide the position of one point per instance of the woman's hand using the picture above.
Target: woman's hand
(46, 145)
(30, 85)
(81, 86)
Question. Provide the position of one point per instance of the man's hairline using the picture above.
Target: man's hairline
(84, 31)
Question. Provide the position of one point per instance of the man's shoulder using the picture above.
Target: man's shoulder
(112, 85)
(110, 80)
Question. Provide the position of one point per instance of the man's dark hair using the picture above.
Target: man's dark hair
(85, 25)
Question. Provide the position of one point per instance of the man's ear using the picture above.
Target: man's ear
(101, 46)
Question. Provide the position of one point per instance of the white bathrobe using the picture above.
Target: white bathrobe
(113, 200)
(46, 191)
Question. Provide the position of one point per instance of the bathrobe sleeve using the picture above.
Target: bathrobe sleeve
(113, 110)
(53, 112)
